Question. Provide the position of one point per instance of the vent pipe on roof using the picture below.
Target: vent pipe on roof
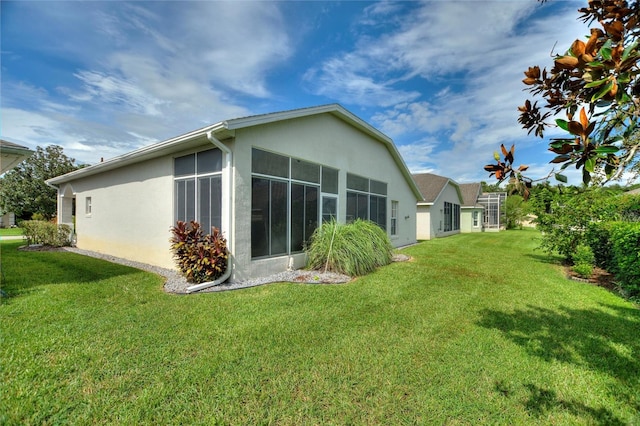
(227, 212)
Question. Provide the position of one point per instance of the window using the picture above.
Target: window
(476, 219)
(394, 218)
(451, 217)
(198, 188)
(456, 217)
(329, 208)
(366, 199)
(329, 188)
(87, 206)
(268, 217)
(288, 197)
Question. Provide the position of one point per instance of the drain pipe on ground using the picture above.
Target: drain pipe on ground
(227, 175)
(208, 284)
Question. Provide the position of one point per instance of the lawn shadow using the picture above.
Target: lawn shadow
(542, 401)
(23, 271)
(545, 258)
(604, 339)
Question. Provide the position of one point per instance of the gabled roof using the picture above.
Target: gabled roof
(12, 154)
(431, 186)
(226, 129)
(470, 193)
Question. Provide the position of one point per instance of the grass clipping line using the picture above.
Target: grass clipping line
(354, 249)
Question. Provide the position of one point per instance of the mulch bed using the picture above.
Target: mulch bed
(600, 277)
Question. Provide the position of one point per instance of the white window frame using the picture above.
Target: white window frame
(394, 218)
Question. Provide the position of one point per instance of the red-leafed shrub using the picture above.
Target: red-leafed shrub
(200, 257)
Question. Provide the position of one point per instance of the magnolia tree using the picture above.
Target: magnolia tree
(592, 93)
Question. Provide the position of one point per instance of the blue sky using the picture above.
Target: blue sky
(441, 78)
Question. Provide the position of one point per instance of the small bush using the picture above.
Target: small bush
(583, 254)
(200, 258)
(353, 249)
(46, 233)
(585, 270)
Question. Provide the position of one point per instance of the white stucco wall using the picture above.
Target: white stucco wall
(131, 212)
(132, 207)
(326, 140)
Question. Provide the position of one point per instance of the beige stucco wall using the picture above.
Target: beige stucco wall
(423, 225)
(466, 219)
(131, 212)
(326, 140)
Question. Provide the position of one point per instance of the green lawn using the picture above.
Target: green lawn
(10, 232)
(476, 329)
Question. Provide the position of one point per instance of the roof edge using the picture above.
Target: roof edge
(141, 154)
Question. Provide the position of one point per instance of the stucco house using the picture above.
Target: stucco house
(447, 208)
(266, 181)
(471, 212)
(438, 213)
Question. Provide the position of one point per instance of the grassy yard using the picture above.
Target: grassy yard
(10, 232)
(476, 329)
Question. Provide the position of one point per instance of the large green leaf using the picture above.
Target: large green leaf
(602, 92)
(628, 50)
(606, 149)
(560, 177)
(563, 124)
(590, 164)
(605, 50)
(596, 83)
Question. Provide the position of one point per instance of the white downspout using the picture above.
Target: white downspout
(227, 220)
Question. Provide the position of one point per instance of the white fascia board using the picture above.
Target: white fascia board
(145, 153)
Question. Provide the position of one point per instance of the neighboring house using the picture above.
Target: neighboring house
(471, 212)
(438, 213)
(447, 207)
(11, 154)
(266, 181)
(7, 220)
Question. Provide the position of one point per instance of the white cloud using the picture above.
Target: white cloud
(483, 50)
(145, 72)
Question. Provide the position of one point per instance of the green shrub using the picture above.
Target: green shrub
(46, 233)
(585, 270)
(353, 249)
(583, 254)
(598, 237)
(625, 241)
(38, 216)
(200, 258)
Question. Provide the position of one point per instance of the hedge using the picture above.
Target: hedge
(625, 244)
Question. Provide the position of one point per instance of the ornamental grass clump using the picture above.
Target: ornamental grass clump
(200, 258)
(353, 249)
